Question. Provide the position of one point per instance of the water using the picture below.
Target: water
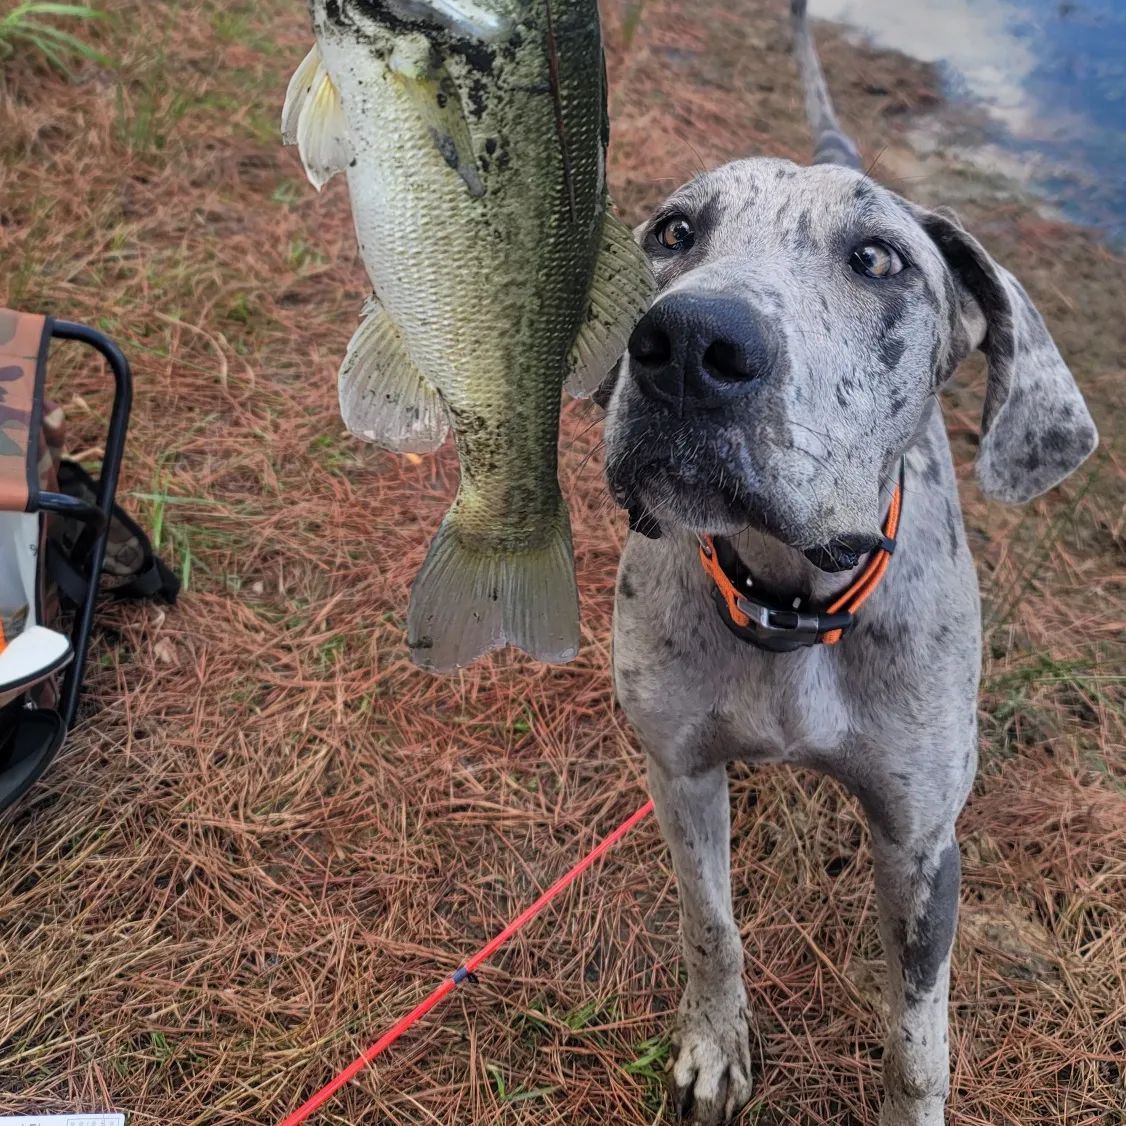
(1050, 73)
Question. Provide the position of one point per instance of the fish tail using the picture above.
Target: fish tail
(465, 601)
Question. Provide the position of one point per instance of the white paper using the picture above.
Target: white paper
(65, 1120)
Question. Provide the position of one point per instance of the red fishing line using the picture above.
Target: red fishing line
(452, 982)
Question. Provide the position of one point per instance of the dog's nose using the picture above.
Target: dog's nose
(700, 350)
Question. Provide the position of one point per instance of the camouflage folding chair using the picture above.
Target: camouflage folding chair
(35, 713)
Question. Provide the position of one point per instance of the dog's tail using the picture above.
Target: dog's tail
(831, 145)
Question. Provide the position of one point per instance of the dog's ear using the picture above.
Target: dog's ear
(1035, 427)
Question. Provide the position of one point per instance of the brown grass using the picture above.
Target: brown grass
(270, 835)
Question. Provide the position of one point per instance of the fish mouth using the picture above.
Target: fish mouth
(461, 18)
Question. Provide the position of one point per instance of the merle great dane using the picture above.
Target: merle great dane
(781, 387)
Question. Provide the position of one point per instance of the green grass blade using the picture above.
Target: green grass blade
(64, 38)
(78, 11)
(49, 51)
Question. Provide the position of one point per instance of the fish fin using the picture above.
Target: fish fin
(384, 398)
(297, 92)
(465, 602)
(434, 94)
(322, 131)
(620, 292)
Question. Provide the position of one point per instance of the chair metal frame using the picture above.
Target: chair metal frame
(95, 516)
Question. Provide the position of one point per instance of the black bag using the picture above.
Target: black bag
(58, 549)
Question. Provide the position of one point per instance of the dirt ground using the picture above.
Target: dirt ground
(271, 835)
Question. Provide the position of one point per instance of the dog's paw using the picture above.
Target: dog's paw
(913, 1112)
(711, 1070)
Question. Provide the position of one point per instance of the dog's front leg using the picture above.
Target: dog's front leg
(917, 893)
(711, 1072)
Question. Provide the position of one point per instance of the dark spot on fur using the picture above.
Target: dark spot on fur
(943, 359)
(1056, 440)
(896, 307)
(930, 298)
(750, 196)
(886, 637)
(876, 810)
(625, 587)
(706, 216)
(803, 231)
(952, 529)
(891, 351)
(925, 952)
(1031, 459)
(491, 145)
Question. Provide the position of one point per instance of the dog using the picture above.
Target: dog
(796, 587)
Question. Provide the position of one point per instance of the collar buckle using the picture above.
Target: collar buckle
(782, 625)
(774, 629)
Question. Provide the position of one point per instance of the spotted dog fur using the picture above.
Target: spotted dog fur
(789, 443)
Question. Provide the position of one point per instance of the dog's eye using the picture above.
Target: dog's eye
(675, 233)
(876, 260)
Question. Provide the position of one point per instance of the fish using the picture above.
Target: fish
(473, 139)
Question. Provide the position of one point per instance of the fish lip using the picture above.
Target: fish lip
(462, 19)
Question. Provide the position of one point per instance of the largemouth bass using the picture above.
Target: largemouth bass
(473, 137)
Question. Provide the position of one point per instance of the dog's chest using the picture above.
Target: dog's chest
(782, 707)
(688, 685)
